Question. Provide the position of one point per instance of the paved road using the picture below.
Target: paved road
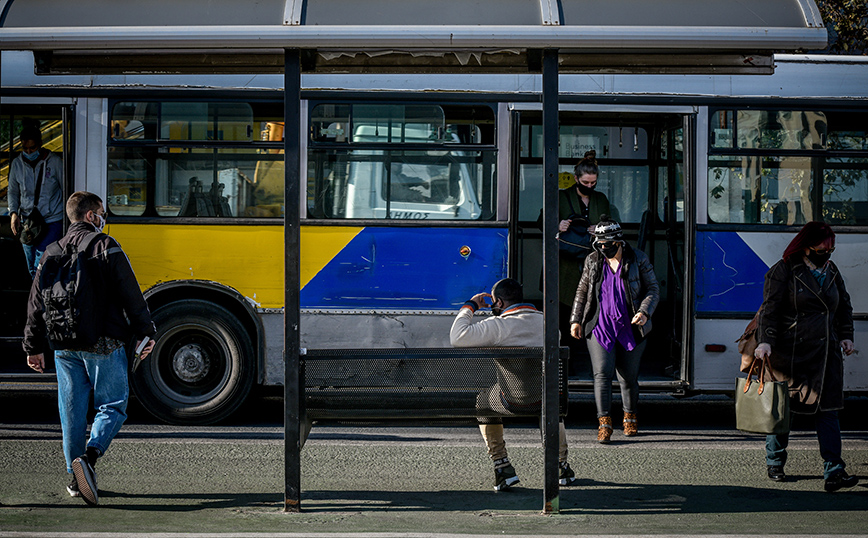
(688, 473)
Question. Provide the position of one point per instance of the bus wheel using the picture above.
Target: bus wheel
(201, 368)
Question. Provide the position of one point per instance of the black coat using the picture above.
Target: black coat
(804, 325)
(124, 311)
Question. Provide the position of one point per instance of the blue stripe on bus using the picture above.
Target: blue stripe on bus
(410, 268)
(729, 274)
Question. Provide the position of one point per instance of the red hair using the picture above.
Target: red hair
(812, 234)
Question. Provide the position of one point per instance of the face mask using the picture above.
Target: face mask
(31, 156)
(585, 190)
(100, 223)
(818, 259)
(609, 250)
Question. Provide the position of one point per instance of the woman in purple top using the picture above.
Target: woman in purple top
(614, 302)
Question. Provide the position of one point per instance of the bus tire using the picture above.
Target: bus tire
(202, 366)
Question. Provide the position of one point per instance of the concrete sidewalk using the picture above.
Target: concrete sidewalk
(432, 481)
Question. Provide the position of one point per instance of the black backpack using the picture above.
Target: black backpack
(67, 282)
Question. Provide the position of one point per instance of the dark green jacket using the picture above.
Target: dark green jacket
(570, 270)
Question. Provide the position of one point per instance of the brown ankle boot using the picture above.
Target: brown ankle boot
(631, 427)
(605, 431)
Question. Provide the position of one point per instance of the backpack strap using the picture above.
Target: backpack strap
(88, 239)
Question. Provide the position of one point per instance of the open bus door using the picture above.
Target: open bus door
(53, 121)
(642, 154)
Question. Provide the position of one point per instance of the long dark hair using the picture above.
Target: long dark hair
(588, 165)
(811, 234)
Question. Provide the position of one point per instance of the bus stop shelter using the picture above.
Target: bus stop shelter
(548, 37)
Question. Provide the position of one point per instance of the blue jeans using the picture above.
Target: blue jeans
(606, 365)
(828, 435)
(79, 373)
(33, 253)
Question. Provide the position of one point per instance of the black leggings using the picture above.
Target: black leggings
(625, 364)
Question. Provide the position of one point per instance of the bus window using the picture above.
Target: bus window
(196, 159)
(444, 168)
(196, 182)
(768, 129)
(760, 190)
(193, 121)
(788, 167)
(376, 184)
(845, 191)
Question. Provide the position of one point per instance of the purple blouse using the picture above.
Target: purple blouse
(613, 323)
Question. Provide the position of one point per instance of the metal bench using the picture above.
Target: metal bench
(427, 382)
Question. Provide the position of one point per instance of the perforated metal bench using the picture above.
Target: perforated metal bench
(427, 382)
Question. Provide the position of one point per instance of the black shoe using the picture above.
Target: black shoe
(566, 475)
(504, 475)
(840, 480)
(776, 473)
(85, 476)
(72, 488)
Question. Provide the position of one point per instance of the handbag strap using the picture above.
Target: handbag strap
(750, 373)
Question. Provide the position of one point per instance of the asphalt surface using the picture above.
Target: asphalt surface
(687, 473)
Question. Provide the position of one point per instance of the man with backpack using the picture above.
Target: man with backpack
(86, 304)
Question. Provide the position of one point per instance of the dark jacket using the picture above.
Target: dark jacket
(641, 287)
(804, 325)
(119, 298)
(570, 270)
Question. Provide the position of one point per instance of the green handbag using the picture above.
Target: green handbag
(761, 407)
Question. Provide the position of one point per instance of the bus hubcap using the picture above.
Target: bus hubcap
(190, 363)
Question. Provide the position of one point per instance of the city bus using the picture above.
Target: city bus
(422, 190)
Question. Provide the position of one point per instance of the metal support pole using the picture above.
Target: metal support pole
(550, 282)
(293, 390)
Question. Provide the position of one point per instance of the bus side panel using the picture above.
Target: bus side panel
(410, 269)
(731, 268)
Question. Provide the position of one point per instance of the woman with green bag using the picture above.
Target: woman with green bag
(804, 324)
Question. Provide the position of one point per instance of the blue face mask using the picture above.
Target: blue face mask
(31, 156)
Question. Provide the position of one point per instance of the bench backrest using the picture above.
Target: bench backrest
(427, 382)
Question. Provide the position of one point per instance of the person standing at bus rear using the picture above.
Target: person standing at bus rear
(612, 310)
(36, 165)
(101, 368)
(514, 323)
(805, 323)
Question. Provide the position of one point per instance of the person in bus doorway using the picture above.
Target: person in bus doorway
(514, 323)
(90, 356)
(804, 325)
(36, 171)
(579, 203)
(612, 310)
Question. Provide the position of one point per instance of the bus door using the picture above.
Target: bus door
(15, 280)
(641, 156)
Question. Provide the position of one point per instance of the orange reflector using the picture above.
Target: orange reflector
(715, 348)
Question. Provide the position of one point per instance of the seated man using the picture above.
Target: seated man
(519, 385)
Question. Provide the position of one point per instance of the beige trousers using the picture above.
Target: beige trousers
(493, 435)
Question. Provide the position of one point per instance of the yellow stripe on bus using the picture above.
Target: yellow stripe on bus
(246, 258)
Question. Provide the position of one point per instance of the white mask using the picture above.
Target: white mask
(100, 223)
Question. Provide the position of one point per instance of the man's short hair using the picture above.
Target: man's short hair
(80, 203)
(508, 290)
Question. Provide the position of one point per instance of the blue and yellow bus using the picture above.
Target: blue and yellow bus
(423, 190)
